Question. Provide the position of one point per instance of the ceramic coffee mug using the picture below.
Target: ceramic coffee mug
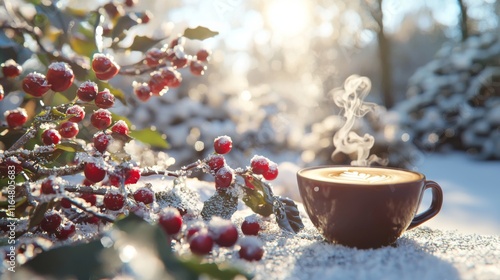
(365, 207)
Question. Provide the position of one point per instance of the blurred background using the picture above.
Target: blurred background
(434, 67)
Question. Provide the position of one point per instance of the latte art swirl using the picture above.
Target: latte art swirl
(361, 175)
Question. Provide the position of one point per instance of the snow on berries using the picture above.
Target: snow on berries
(261, 165)
(224, 177)
(250, 225)
(51, 221)
(224, 232)
(68, 129)
(170, 220)
(251, 248)
(101, 119)
(144, 195)
(93, 172)
(60, 76)
(16, 118)
(120, 127)
(11, 69)
(104, 99)
(35, 84)
(216, 162)
(223, 144)
(114, 200)
(51, 137)
(104, 66)
(77, 111)
(87, 91)
(101, 141)
(201, 243)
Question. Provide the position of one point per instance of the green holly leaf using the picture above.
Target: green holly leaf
(256, 201)
(71, 146)
(143, 43)
(150, 137)
(287, 214)
(199, 33)
(123, 24)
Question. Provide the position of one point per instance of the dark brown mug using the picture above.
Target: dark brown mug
(365, 207)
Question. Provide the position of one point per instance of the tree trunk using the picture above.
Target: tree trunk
(464, 30)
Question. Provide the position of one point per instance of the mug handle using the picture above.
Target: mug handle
(437, 202)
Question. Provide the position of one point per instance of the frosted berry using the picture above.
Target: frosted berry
(101, 141)
(259, 164)
(51, 137)
(194, 228)
(130, 3)
(113, 70)
(272, 172)
(11, 69)
(180, 62)
(203, 55)
(154, 56)
(16, 118)
(10, 161)
(47, 187)
(132, 175)
(51, 221)
(224, 232)
(201, 243)
(197, 68)
(63, 232)
(101, 63)
(146, 17)
(157, 83)
(77, 111)
(144, 195)
(170, 220)
(114, 201)
(120, 127)
(251, 248)
(105, 99)
(178, 41)
(224, 177)
(87, 91)
(223, 144)
(35, 84)
(68, 129)
(65, 203)
(93, 172)
(171, 77)
(250, 226)
(216, 162)
(89, 198)
(60, 76)
(142, 91)
(2, 93)
(101, 119)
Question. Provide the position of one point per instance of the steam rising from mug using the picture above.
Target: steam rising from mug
(350, 98)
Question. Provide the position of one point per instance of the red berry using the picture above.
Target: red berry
(65, 231)
(203, 55)
(11, 69)
(197, 68)
(177, 41)
(194, 228)
(201, 243)
(132, 175)
(215, 162)
(223, 231)
(35, 84)
(259, 164)
(144, 195)
(60, 76)
(93, 172)
(170, 220)
(249, 182)
(171, 77)
(89, 197)
(223, 177)
(87, 91)
(146, 17)
(115, 68)
(101, 63)
(120, 127)
(180, 62)
(51, 136)
(130, 3)
(223, 144)
(105, 99)
(47, 187)
(101, 141)
(114, 201)
(101, 119)
(272, 172)
(154, 56)
(77, 111)
(114, 179)
(6, 166)
(65, 203)
(51, 221)
(68, 129)
(157, 83)
(16, 118)
(251, 248)
(142, 91)
(250, 226)
(2, 93)
(92, 220)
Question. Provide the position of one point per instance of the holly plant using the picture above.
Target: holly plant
(65, 128)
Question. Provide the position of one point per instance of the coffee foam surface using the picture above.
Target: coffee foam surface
(361, 175)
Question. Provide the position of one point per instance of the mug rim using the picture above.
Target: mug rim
(302, 170)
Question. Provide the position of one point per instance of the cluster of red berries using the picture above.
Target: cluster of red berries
(202, 237)
(104, 66)
(52, 223)
(59, 77)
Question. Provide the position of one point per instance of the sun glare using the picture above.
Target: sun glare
(288, 18)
